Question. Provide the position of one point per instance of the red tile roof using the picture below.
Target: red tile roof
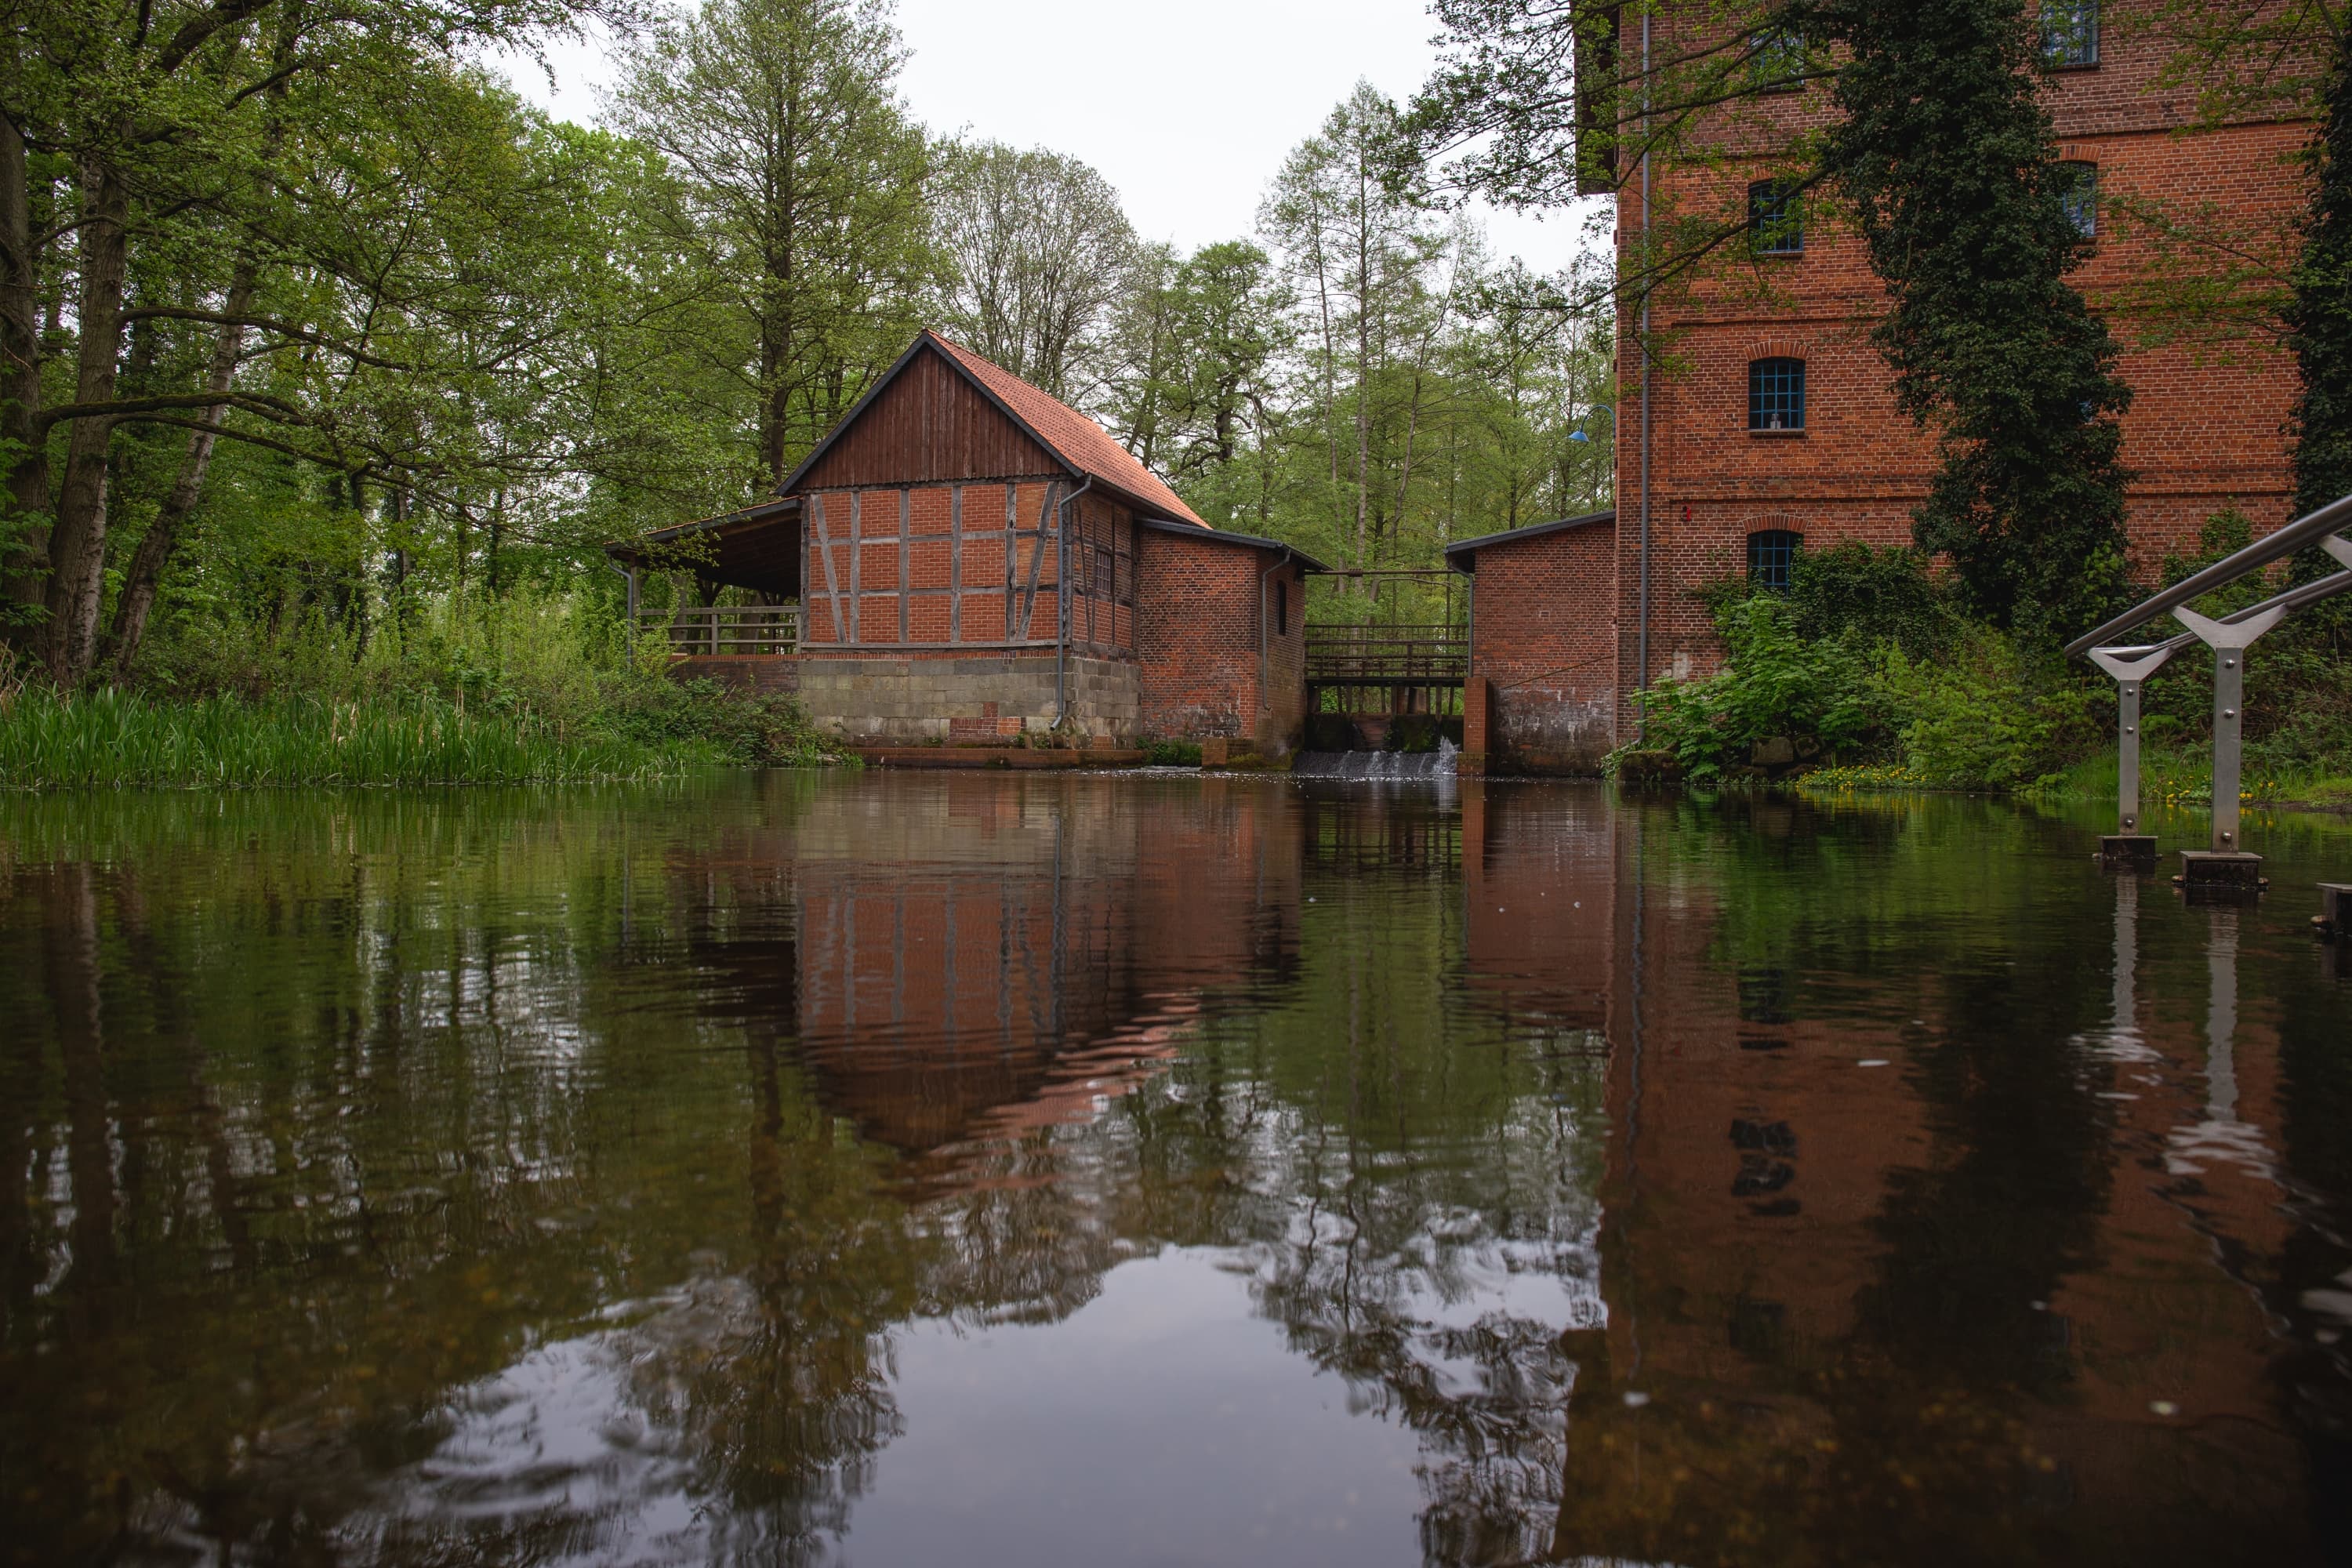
(1072, 438)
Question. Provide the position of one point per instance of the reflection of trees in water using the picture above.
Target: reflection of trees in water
(299, 1190)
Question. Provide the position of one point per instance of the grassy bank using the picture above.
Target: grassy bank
(519, 690)
(112, 739)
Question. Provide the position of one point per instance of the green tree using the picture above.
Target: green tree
(795, 194)
(1041, 260)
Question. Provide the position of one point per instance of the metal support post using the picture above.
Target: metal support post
(2127, 846)
(2226, 864)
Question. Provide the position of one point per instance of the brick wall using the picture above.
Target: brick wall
(1541, 637)
(1197, 634)
(2205, 430)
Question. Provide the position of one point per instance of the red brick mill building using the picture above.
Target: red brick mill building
(975, 562)
(1775, 424)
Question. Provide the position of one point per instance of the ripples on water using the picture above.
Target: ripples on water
(894, 1169)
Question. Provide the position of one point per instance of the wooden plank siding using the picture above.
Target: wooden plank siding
(929, 426)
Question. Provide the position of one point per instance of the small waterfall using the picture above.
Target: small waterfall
(1383, 767)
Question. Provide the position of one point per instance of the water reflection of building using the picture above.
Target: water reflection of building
(979, 956)
(1901, 1263)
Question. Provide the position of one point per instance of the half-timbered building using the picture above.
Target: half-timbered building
(965, 558)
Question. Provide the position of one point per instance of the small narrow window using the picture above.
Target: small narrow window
(1282, 609)
(1775, 394)
(1780, 60)
(1771, 551)
(2078, 192)
(2070, 33)
(1774, 228)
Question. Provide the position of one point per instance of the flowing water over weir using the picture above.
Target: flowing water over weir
(858, 1170)
(1384, 766)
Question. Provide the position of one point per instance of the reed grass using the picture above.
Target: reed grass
(116, 739)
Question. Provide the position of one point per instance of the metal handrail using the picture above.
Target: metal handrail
(2303, 531)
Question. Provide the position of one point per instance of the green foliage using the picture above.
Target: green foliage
(2319, 312)
(469, 688)
(111, 738)
(1776, 682)
(1864, 597)
(1946, 156)
(1985, 714)
(1173, 753)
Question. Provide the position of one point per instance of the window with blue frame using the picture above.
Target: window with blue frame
(1775, 227)
(1771, 553)
(2078, 192)
(1775, 394)
(2070, 32)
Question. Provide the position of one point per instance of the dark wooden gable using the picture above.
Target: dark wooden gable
(926, 425)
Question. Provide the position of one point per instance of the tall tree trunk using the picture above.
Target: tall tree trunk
(24, 568)
(77, 543)
(147, 563)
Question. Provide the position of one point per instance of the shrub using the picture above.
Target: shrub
(1984, 715)
(1777, 682)
(1173, 753)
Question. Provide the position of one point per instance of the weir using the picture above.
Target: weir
(1385, 767)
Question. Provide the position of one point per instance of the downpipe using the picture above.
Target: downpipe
(1062, 604)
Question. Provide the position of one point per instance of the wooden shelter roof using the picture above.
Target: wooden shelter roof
(744, 548)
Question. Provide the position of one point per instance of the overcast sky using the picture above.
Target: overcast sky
(1188, 107)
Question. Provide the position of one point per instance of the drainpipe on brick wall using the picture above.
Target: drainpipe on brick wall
(1641, 638)
(1062, 604)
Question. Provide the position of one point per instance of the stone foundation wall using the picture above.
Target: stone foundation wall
(961, 697)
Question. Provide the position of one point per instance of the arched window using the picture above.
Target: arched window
(2078, 188)
(1775, 394)
(1774, 224)
(2070, 32)
(1771, 551)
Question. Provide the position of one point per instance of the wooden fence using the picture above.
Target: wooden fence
(733, 629)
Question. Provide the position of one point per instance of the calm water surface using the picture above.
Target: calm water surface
(920, 1170)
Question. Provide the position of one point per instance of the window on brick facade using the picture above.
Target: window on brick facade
(1770, 553)
(1282, 609)
(2078, 191)
(1775, 394)
(1774, 228)
(2070, 32)
(1780, 60)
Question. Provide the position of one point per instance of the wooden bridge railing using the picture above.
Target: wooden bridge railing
(1386, 655)
(711, 629)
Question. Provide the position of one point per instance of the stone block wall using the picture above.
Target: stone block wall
(1543, 645)
(912, 699)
